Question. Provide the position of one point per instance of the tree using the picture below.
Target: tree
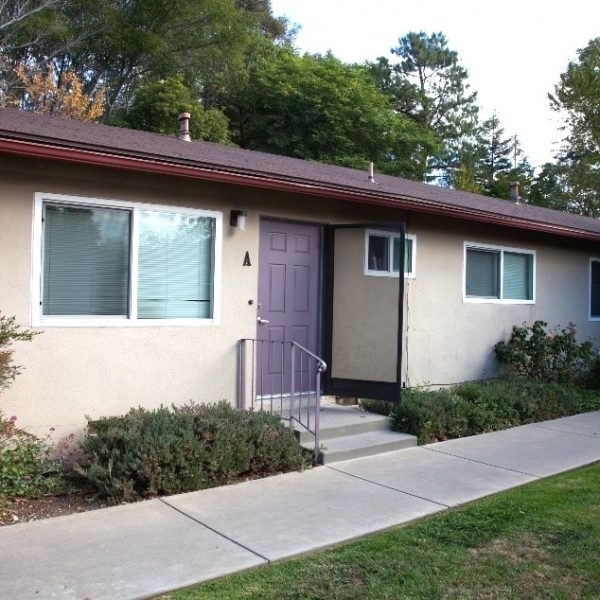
(576, 98)
(316, 108)
(14, 12)
(42, 94)
(501, 162)
(429, 86)
(118, 46)
(519, 171)
(273, 28)
(496, 153)
(549, 188)
(158, 104)
(23, 25)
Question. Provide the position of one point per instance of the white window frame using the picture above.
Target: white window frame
(501, 250)
(38, 319)
(590, 316)
(391, 235)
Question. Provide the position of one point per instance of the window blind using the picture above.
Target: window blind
(175, 266)
(517, 281)
(482, 273)
(85, 261)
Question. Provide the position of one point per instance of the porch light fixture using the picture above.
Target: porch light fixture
(238, 219)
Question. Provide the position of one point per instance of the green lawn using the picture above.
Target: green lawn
(539, 541)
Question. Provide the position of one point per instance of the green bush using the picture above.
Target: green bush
(26, 468)
(10, 332)
(546, 355)
(166, 451)
(380, 407)
(473, 408)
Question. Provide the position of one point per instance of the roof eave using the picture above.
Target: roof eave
(152, 164)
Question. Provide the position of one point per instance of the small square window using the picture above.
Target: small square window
(382, 254)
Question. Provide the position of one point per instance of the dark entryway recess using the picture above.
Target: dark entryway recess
(358, 388)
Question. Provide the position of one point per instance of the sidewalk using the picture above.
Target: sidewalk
(139, 550)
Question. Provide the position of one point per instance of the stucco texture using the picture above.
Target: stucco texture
(71, 372)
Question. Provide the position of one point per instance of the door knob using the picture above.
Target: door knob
(261, 321)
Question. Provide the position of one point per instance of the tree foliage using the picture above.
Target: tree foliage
(40, 93)
(317, 108)
(157, 105)
(576, 98)
(429, 86)
(118, 45)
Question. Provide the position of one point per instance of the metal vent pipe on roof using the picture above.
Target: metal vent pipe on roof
(184, 127)
(371, 175)
(514, 192)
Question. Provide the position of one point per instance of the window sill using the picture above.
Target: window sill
(122, 322)
(496, 301)
(388, 274)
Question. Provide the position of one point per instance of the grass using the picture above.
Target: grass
(537, 541)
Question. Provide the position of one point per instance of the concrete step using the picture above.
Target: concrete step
(363, 444)
(338, 421)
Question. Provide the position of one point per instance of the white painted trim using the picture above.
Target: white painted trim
(40, 320)
(391, 236)
(501, 250)
(590, 317)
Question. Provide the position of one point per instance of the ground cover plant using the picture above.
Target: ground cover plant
(477, 407)
(538, 541)
(146, 453)
(26, 465)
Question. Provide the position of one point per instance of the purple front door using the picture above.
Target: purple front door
(288, 299)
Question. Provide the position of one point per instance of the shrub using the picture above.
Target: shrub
(166, 451)
(473, 408)
(380, 407)
(546, 355)
(10, 332)
(26, 468)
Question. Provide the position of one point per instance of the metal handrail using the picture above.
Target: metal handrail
(261, 400)
(321, 367)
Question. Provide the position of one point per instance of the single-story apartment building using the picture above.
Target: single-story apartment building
(144, 259)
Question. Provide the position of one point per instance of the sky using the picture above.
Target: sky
(514, 50)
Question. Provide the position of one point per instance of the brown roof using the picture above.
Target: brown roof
(70, 140)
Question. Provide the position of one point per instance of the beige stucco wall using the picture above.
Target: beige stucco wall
(451, 340)
(365, 315)
(70, 372)
(448, 340)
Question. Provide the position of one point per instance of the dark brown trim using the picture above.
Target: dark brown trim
(373, 390)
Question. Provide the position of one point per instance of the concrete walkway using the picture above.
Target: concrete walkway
(139, 550)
